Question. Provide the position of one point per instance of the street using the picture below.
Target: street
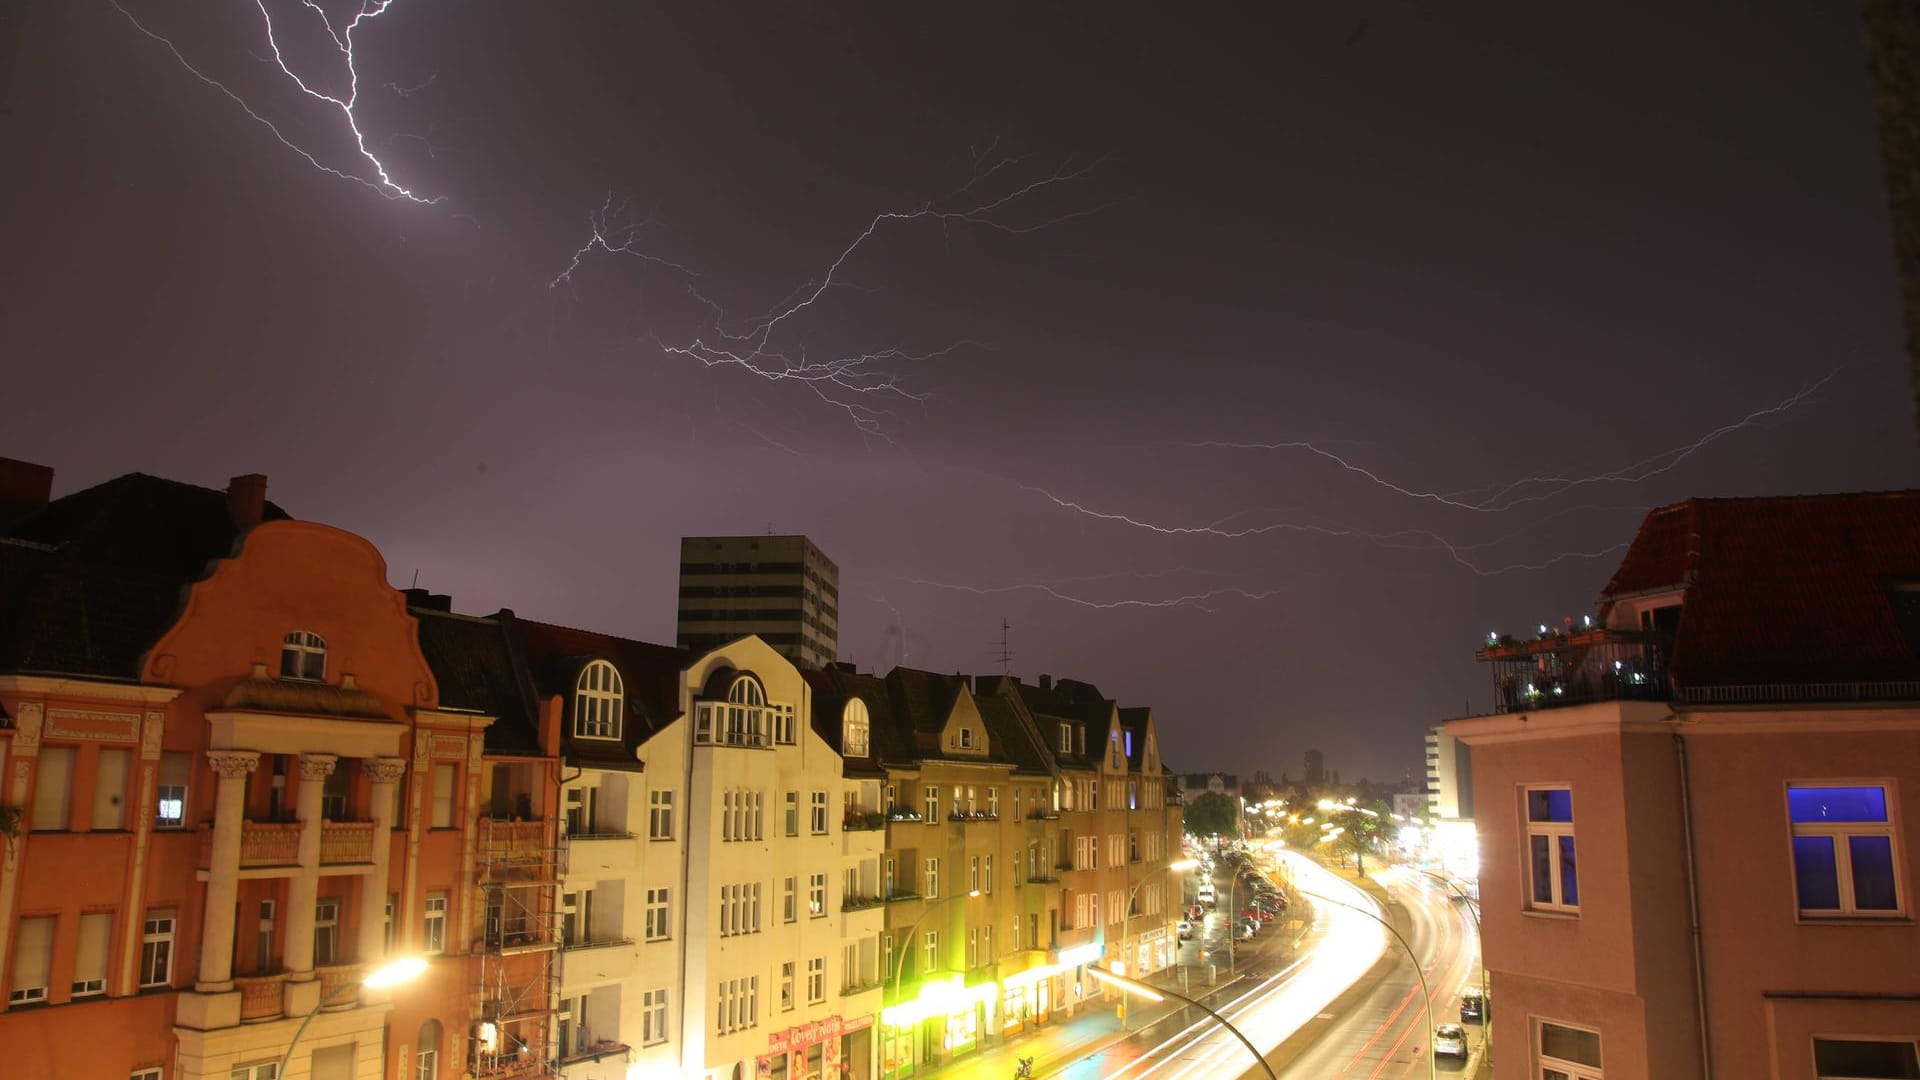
(1385, 1034)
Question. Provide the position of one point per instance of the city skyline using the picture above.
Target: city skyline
(1448, 250)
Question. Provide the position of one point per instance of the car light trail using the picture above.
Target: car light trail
(1281, 1004)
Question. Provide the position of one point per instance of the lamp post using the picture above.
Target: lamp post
(392, 973)
(1480, 945)
(900, 964)
(1152, 994)
(1177, 866)
(1425, 992)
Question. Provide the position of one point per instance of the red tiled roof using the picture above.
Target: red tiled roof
(1782, 590)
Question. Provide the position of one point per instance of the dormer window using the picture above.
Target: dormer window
(303, 656)
(853, 732)
(598, 700)
(964, 738)
(1066, 738)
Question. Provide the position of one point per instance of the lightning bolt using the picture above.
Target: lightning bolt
(860, 384)
(381, 180)
(1196, 600)
(1499, 500)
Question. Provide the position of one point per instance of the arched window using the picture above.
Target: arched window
(303, 656)
(746, 690)
(427, 1055)
(598, 699)
(853, 738)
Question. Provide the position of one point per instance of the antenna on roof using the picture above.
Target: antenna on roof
(416, 578)
(1005, 659)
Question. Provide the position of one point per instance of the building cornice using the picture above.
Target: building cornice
(69, 686)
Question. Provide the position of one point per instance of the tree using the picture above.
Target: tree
(1361, 828)
(1212, 814)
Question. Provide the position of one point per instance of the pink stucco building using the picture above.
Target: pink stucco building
(1695, 806)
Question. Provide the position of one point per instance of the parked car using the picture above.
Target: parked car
(1196, 913)
(1450, 1039)
(1473, 1008)
(1186, 930)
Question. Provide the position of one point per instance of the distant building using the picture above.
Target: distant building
(1698, 812)
(1194, 785)
(1449, 777)
(780, 588)
(1316, 769)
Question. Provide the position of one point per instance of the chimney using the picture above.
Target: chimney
(1046, 682)
(24, 488)
(247, 500)
(427, 600)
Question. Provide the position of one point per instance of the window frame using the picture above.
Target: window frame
(599, 702)
(817, 895)
(158, 930)
(1554, 831)
(660, 822)
(1911, 1044)
(308, 650)
(326, 928)
(653, 1017)
(432, 942)
(657, 923)
(1571, 1070)
(817, 812)
(816, 980)
(1840, 832)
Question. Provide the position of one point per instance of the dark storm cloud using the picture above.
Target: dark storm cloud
(1455, 248)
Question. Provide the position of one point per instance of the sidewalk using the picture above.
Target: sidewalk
(1096, 1025)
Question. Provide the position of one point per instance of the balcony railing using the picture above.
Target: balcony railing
(1580, 668)
(863, 821)
(902, 895)
(853, 902)
(261, 996)
(1790, 693)
(901, 813)
(336, 978)
(973, 815)
(1043, 814)
(346, 842)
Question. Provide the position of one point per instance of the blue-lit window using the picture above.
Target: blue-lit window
(1553, 869)
(1845, 862)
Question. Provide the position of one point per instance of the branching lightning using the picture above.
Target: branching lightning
(382, 180)
(1198, 600)
(860, 384)
(1502, 498)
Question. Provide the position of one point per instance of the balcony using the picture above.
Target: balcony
(973, 816)
(597, 1051)
(261, 996)
(859, 903)
(1558, 670)
(346, 842)
(863, 821)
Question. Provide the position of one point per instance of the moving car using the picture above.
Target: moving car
(1450, 1039)
(1473, 1008)
(1186, 930)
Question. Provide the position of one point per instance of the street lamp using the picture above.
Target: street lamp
(1480, 945)
(900, 964)
(1152, 994)
(1426, 993)
(1177, 866)
(393, 973)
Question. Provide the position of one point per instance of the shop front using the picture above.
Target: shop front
(946, 1020)
(1153, 951)
(807, 1052)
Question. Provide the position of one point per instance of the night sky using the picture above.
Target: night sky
(1454, 248)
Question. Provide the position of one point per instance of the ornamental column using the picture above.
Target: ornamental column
(223, 868)
(382, 773)
(303, 892)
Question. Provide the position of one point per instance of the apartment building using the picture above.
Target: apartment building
(780, 588)
(1695, 806)
(238, 791)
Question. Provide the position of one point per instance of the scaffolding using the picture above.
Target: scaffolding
(517, 979)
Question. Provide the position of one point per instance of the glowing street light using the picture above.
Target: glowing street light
(391, 974)
(1151, 994)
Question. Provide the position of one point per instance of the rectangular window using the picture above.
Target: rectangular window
(153, 1073)
(386, 933)
(932, 799)
(110, 789)
(817, 812)
(973, 947)
(170, 808)
(793, 813)
(1567, 1053)
(965, 741)
(263, 941)
(973, 873)
(1066, 738)
(986, 944)
(53, 789)
(786, 986)
(445, 778)
(333, 794)
(256, 1070)
(660, 815)
(156, 948)
(653, 1017)
(987, 878)
(435, 937)
(1845, 851)
(580, 805)
(32, 960)
(816, 980)
(658, 911)
(933, 879)
(1865, 1059)
(90, 959)
(789, 900)
(1552, 875)
(932, 951)
(850, 973)
(817, 895)
(326, 931)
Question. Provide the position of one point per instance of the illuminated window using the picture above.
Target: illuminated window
(598, 699)
(1844, 855)
(170, 803)
(854, 729)
(303, 656)
(653, 1017)
(1552, 871)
